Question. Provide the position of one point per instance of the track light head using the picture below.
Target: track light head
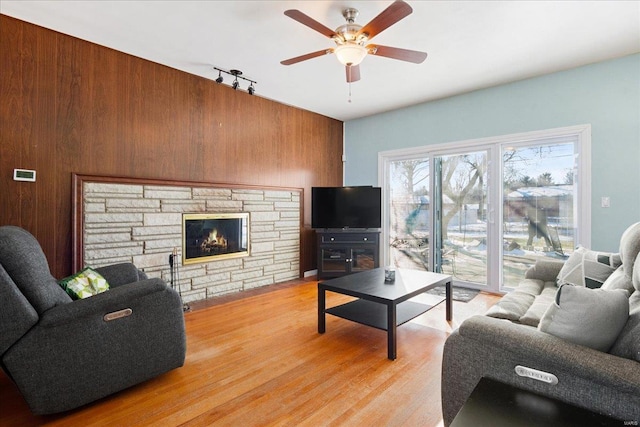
(251, 89)
(235, 84)
(219, 79)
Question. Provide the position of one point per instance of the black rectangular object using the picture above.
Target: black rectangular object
(346, 207)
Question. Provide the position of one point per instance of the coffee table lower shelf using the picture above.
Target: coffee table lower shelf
(375, 314)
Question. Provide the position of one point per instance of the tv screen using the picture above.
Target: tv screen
(346, 207)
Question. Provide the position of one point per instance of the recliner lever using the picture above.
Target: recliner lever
(117, 314)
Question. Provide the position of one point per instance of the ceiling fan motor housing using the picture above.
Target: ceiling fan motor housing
(348, 32)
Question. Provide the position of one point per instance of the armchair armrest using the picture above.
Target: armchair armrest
(124, 296)
(544, 269)
(488, 347)
(121, 274)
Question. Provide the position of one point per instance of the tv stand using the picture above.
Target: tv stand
(346, 251)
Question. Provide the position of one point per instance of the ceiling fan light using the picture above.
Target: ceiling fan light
(350, 54)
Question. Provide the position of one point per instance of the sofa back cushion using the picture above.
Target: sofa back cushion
(629, 250)
(25, 263)
(17, 315)
(628, 343)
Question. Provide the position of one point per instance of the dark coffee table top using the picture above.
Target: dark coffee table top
(370, 284)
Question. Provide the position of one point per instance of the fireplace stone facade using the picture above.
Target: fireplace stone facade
(142, 224)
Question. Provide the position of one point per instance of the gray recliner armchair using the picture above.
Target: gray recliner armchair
(62, 353)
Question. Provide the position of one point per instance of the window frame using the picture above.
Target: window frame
(495, 145)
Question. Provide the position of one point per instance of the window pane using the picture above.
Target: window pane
(539, 194)
(409, 214)
(464, 216)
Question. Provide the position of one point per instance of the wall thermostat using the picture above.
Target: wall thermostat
(24, 175)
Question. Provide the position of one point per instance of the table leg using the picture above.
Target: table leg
(449, 301)
(391, 331)
(321, 306)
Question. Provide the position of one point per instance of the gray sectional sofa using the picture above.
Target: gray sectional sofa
(516, 332)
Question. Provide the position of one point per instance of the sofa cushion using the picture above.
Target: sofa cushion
(17, 315)
(623, 278)
(589, 317)
(540, 305)
(515, 304)
(23, 260)
(84, 284)
(627, 344)
(588, 268)
(618, 280)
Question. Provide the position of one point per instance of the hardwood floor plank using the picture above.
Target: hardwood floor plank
(258, 360)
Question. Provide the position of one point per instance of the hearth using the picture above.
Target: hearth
(212, 236)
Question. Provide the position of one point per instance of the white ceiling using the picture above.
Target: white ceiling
(471, 44)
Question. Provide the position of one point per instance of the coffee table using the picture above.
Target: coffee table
(382, 305)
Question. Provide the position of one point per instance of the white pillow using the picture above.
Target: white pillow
(588, 268)
(589, 317)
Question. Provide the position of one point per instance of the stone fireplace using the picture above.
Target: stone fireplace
(142, 221)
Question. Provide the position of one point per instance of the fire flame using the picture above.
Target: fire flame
(214, 241)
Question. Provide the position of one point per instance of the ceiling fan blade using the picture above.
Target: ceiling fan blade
(309, 22)
(305, 57)
(414, 56)
(353, 73)
(394, 13)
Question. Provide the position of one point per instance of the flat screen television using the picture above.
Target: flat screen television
(346, 207)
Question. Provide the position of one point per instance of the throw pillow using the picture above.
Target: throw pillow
(588, 268)
(83, 284)
(589, 317)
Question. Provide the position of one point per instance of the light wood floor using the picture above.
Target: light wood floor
(257, 359)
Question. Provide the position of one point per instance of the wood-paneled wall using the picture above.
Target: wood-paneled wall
(69, 106)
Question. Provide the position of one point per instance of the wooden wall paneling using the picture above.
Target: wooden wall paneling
(12, 135)
(39, 149)
(76, 107)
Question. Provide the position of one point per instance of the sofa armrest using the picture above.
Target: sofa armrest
(488, 347)
(118, 298)
(76, 350)
(121, 274)
(544, 269)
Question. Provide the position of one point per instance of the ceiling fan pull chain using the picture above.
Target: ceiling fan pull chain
(349, 93)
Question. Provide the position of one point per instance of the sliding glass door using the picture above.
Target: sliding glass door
(539, 197)
(409, 213)
(485, 211)
(451, 200)
(462, 202)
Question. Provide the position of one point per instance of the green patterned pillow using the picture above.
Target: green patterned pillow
(84, 284)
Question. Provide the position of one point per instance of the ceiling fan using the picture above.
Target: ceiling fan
(351, 39)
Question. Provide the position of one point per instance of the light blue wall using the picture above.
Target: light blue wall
(605, 95)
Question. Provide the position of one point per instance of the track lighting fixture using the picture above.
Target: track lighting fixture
(236, 84)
